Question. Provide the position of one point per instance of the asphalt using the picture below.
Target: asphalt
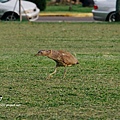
(64, 14)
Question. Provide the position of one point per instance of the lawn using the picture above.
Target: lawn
(65, 8)
(91, 89)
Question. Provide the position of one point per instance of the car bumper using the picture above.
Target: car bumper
(98, 15)
(31, 16)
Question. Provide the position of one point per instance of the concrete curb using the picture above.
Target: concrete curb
(67, 14)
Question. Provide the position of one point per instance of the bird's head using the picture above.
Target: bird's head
(43, 53)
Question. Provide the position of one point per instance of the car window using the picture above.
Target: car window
(3, 1)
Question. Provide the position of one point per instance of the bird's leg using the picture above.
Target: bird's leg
(65, 70)
(52, 73)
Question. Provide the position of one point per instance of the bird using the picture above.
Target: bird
(61, 57)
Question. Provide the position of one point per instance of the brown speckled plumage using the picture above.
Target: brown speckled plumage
(62, 58)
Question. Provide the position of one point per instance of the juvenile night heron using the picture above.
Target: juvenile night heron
(62, 58)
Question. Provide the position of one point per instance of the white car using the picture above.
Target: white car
(104, 10)
(9, 10)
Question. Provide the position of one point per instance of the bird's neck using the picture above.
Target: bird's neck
(51, 54)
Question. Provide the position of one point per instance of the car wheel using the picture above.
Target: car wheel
(10, 17)
(111, 17)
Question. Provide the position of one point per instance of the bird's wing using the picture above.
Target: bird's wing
(68, 58)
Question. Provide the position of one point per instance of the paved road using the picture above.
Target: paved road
(65, 19)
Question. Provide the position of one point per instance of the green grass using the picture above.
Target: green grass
(65, 8)
(90, 91)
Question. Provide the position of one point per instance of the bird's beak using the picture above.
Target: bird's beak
(36, 54)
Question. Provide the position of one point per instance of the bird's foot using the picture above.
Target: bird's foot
(48, 77)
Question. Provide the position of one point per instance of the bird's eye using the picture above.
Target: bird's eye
(40, 51)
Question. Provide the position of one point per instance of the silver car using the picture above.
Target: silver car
(9, 10)
(104, 10)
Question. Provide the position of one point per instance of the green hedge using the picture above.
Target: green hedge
(41, 4)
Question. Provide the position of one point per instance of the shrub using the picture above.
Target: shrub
(41, 4)
(87, 3)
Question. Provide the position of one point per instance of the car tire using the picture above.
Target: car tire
(10, 17)
(111, 17)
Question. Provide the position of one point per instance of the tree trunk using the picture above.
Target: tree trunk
(70, 6)
(63, 1)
